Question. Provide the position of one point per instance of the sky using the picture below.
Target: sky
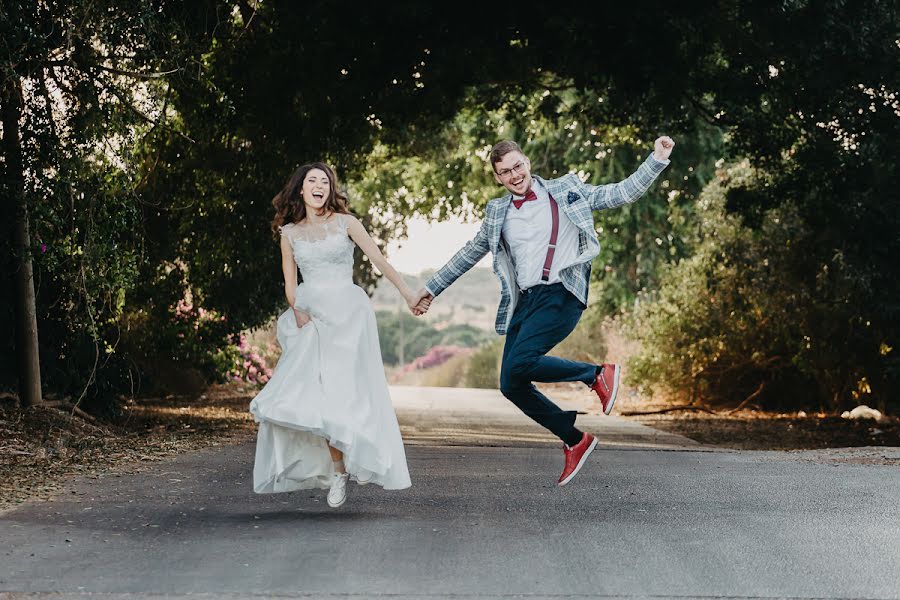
(430, 245)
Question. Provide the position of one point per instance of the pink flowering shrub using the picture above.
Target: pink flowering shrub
(436, 356)
(248, 364)
(201, 338)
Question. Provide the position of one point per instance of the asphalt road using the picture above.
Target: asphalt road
(648, 517)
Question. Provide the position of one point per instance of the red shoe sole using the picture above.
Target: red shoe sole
(580, 463)
(615, 390)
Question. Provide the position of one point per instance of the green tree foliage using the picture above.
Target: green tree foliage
(417, 336)
(483, 369)
(723, 320)
(808, 91)
(157, 132)
(453, 176)
(754, 315)
(90, 76)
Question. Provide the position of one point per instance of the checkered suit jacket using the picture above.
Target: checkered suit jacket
(577, 200)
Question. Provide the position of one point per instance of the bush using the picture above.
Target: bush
(436, 356)
(758, 314)
(449, 374)
(241, 361)
(483, 370)
(182, 347)
(585, 343)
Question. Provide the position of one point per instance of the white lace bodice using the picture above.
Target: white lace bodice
(324, 252)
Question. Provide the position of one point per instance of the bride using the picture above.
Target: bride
(325, 416)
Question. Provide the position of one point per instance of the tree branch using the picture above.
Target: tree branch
(248, 13)
(632, 413)
(148, 119)
(134, 74)
(758, 391)
(706, 114)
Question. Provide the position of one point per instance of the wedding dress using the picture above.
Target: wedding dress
(329, 385)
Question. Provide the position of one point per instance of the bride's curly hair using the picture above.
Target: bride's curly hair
(289, 205)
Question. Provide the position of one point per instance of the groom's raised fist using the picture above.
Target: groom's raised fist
(662, 148)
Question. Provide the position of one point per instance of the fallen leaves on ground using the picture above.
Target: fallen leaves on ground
(41, 446)
(742, 430)
(757, 430)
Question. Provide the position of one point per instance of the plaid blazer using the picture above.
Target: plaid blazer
(577, 200)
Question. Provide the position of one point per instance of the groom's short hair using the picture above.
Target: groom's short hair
(503, 148)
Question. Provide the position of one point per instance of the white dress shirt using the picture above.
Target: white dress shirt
(527, 233)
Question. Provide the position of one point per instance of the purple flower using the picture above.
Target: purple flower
(43, 248)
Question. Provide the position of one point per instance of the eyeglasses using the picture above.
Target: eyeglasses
(517, 168)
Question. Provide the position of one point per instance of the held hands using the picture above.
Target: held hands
(302, 317)
(419, 302)
(662, 148)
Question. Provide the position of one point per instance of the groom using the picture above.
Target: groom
(543, 240)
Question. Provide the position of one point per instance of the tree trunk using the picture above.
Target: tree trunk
(29, 368)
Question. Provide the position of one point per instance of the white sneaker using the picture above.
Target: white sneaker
(337, 495)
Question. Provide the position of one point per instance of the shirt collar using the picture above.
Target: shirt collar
(535, 186)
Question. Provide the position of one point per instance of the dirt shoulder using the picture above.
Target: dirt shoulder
(41, 447)
(753, 430)
(742, 430)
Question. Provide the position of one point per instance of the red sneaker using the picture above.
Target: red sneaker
(575, 457)
(606, 384)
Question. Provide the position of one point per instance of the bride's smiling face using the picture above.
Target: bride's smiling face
(316, 189)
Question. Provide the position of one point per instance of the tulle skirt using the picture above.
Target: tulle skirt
(328, 388)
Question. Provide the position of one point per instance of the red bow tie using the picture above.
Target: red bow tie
(529, 196)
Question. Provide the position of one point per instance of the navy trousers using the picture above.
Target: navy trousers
(544, 316)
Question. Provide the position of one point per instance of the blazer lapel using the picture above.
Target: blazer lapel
(499, 218)
(560, 193)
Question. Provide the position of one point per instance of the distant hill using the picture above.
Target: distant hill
(471, 300)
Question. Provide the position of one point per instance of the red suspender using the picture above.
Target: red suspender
(551, 250)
